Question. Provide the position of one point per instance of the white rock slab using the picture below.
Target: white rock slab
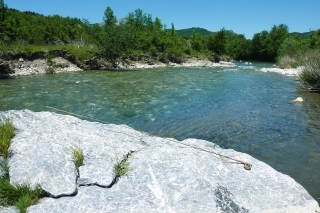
(165, 175)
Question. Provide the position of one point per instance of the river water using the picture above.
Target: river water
(238, 108)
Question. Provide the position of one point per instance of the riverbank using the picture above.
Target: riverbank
(22, 67)
(19, 64)
(189, 62)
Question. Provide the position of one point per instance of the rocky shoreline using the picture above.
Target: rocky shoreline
(165, 175)
(17, 64)
(286, 71)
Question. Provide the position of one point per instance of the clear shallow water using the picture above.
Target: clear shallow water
(237, 108)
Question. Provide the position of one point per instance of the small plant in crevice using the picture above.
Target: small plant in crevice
(122, 166)
(77, 156)
(6, 134)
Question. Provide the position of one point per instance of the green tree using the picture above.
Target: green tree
(196, 41)
(238, 47)
(109, 18)
(275, 38)
(291, 46)
(173, 31)
(259, 45)
(116, 40)
(114, 44)
(314, 39)
(217, 43)
(3, 8)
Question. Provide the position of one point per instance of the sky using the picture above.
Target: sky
(242, 16)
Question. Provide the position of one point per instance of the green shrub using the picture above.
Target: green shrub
(6, 134)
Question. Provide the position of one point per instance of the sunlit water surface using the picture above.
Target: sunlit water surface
(238, 108)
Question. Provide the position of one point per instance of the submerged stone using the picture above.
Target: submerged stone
(165, 175)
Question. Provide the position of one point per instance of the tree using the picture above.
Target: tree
(109, 19)
(3, 8)
(259, 46)
(196, 41)
(275, 38)
(238, 47)
(291, 46)
(216, 43)
(114, 44)
(173, 31)
(314, 39)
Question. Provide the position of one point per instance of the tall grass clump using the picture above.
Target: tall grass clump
(21, 196)
(6, 134)
(311, 72)
(288, 62)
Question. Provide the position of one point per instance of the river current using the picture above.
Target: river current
(238, 108)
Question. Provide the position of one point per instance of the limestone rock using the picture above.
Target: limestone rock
(8, 210)
(297, 100)
(165, 175)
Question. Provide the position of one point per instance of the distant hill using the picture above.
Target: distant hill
(302, 35)
(186, 33)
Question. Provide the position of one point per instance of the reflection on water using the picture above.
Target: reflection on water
(237, 108)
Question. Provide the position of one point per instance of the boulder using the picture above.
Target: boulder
(165, 175)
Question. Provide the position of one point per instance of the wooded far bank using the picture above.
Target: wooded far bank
(139, 36)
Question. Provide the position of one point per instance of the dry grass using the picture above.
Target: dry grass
(288, 62)
(311, 72)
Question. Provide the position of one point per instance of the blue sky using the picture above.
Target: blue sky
(242, 16)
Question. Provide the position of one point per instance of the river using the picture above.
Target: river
(238, 108)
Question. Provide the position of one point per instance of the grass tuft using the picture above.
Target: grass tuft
(4, 168)
(6, 134)
(77, 156)
(22, 196)
(122, 166)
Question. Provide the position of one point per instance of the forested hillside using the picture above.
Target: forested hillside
(139, 35)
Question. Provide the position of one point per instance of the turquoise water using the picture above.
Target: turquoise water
(236, 108)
